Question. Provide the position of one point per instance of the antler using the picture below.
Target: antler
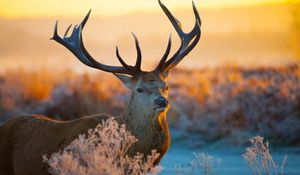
(188, 40)
(75, 44)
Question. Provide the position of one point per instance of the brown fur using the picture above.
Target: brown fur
(23, 140)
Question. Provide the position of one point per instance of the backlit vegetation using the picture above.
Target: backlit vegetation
(202, 164)
(257, 156)
(230, 103)
(260, 160)
(102, 151)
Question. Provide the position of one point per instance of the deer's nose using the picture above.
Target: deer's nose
(161, 101)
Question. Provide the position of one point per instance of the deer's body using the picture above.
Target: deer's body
(23, 140)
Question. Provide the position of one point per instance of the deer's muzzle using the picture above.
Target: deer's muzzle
(161, 102)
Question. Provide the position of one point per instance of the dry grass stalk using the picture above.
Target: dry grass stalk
(259, 159)
(203, 163)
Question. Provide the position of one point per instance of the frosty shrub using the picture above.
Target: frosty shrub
(102, 151)
(202, 163)
(260, 160)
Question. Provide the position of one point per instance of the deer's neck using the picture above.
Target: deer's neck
(136, 119)
(151, 130)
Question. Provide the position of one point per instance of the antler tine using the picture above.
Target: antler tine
(137, 67)
(74, 43)
(64, 41)
(174, 21)
(67, 31)
(85, 19)
(121, 60)
(139, 53)
(196, 13)
(186, 38)
(164, 58)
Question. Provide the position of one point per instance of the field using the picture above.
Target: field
(213, 108)
(228, 103)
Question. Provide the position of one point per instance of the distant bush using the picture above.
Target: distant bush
(102, 151)
(237, 103)
(230, 103)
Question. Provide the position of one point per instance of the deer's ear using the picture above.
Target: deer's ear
(126, 80)
(164, 74)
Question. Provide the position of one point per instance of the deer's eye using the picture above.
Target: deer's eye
(140, 90)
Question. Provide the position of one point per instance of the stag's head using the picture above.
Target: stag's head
(149, 89)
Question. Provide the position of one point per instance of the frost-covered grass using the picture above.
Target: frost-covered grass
(260, 160)
(102, 151)
(228, 160)
(201, 164)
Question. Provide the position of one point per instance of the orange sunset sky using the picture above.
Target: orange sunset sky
(50, 8)
(242, 32)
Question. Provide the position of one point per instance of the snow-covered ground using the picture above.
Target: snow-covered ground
(232, 162)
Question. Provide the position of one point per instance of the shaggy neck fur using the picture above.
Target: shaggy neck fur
(151, 129)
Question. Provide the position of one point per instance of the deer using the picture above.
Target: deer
(24, 139)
